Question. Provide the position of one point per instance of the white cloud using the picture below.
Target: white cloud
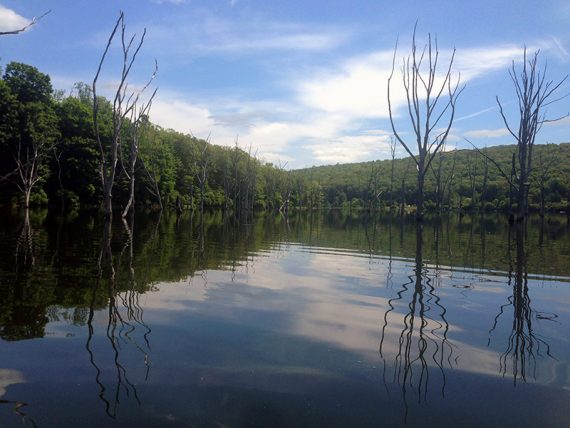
(10, 20)
(474, 62)
(271, 138)
(333, 116)
(356, 90)
(182, 116)
(487, 133)
(350, 148)
(211, 35)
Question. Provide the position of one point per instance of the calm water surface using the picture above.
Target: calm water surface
(327, 319)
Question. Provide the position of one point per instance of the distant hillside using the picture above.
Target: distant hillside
(462, 177)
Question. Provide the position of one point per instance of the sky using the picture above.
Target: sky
(301, 82)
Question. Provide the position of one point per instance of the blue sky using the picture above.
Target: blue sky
(302, 82)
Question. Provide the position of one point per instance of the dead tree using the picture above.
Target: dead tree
(251, 179)
(542, 174)
(285, 185)
(448, 183)
(485, 183)
(403, 190)
(236, 179)
(372, 193)
(123, 104)
(28, 166)
(438, 180)
(202, 168)
(154, 181)
(138, 117)
(534, 95)
(24, 28)
(392, 164)
(471, 175)
(430, 115)
(33, 149)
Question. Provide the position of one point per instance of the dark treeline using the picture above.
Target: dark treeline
(50, 156)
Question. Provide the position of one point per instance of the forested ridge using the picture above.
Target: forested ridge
(48, 146)
(469, 179)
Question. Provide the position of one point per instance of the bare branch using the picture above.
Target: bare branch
(21, 30)
(493, 161)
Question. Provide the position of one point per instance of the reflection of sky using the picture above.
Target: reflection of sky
(9, 377)
(298, 326)
(339, 298)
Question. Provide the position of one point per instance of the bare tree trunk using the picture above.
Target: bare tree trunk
(425, 119)
(202, 173)
(393, 153)
(485, 183)
(28, 166)
(155, 191)
(122, 107)
(137, 118)
(534, 94)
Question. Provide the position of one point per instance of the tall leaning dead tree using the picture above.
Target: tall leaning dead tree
(124, 101)
(431, 97)
(534, 94)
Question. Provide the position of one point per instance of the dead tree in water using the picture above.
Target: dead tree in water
(138, 118)
(123, 105)
(534, 95)
(424, 88)
(392, 163)
(203, 162)
(485, 183)
(543, 172)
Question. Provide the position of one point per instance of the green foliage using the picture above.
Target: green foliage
(28, 83)
(171, 164)
(463, 168)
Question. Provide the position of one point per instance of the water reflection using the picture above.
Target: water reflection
(263, 315)
(24, 254)
(422, 343)
(124, 318)
(524, 343)
(18, 408)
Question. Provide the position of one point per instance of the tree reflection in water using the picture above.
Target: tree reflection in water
(124, 317)
(17, 408)
(524, 344)
(25, 323)
(24, 254)
(423, 340)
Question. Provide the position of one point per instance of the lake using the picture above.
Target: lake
(324, 319)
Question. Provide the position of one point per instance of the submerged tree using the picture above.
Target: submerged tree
(139, 118)
(534, 94)
(123, 105)
(431, 99)
(31, 129)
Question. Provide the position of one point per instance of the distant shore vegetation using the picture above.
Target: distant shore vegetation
(48, 144)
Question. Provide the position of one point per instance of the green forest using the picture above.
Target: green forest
(50, 151)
